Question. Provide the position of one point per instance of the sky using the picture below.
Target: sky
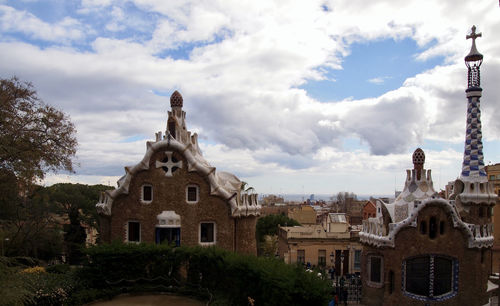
(295, 97)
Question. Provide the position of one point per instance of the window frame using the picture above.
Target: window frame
(303, 261)
(432, 258)
(357, 260)
(214, 232)
(127, 232)
(142, 193)
(322, 259)
(197, 193)
(369, 281)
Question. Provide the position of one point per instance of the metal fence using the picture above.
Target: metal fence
(351, 288)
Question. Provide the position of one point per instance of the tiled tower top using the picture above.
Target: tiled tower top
(473, 163)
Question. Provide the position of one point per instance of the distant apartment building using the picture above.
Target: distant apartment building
(304, 214)
(493, 173)
(334, 246)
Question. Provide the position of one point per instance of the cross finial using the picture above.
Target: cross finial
(473, 34)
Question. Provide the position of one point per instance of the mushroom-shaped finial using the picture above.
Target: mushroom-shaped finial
(176, 99)
(418, 158)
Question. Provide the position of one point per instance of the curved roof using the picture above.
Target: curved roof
(224, 185)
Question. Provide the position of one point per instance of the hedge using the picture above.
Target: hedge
(223, 277)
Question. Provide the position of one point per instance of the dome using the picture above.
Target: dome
(176, 99)
(418, 157)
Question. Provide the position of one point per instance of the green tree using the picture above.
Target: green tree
(269, 224)
(267, 230)
(77, 201)
(34, 137)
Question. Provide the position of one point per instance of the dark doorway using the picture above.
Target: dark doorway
(168, 235)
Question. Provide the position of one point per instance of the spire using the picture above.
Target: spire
(473, 61)
(473, 163)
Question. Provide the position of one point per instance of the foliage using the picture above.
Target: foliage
(34, 137)
(268, 246)
(48, 288)
(58, 269)
(12, 289)
(33, 230)
(230, 277)
(269, 224)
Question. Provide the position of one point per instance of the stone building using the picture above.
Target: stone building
(174, 195)
(304, 214)
(369, 210)
(493, 172)
(335, 245)
(422, 249)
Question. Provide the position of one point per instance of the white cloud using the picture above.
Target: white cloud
(15, 21)
(240, 82)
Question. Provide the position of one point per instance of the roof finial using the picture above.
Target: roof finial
(473, 55)
(176, 99)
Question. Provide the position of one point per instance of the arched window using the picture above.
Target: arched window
(430, 276)
(432, 227)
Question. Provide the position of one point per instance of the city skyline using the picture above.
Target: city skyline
(293, 98)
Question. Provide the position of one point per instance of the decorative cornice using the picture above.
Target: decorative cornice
(242, 204)
(478, 236)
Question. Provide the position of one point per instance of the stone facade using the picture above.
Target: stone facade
(314, 245)
(174, 195)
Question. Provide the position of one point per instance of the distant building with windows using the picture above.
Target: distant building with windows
(322, 246)
(174, 195)
(423, 249)
(493, 172)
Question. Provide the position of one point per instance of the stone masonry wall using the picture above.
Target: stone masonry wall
(169, 193)
(474, 264)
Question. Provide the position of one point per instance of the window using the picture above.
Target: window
(134, 231)
(432, 228)
(171, 128)
(192, 194)
(391, 282)
(322, 258)
(207, 233)
(432, 277)
(492, 177)
(481, 212)
(357, 259)
(147, 193)
(301, 256)
(375, 268)
(423, 227)
(441, 228)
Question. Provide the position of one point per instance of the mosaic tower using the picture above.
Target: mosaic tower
(473, 164)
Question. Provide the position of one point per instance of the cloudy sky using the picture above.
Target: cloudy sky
(291, 96)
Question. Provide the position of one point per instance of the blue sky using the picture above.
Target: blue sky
(291, 96)
(371, 69)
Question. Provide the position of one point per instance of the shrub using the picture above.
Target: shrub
(58, 269)
(232, 278)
